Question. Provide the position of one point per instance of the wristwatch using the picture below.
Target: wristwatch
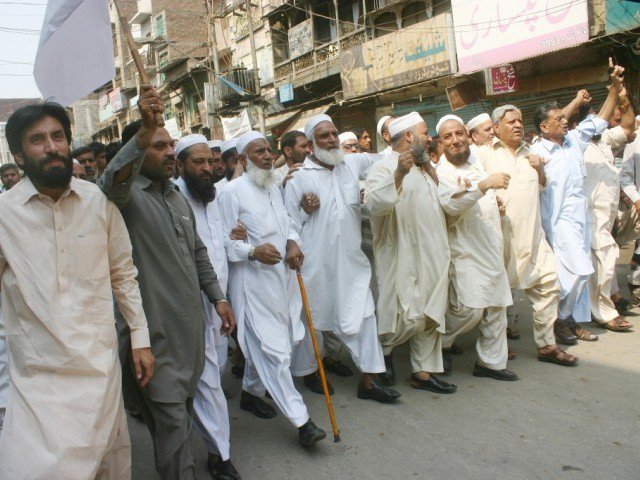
(251, 252)
(222, 300)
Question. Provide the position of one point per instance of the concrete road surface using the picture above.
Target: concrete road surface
(555, 423)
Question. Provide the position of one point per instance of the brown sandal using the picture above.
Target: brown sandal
(559, 357)
(617, 325)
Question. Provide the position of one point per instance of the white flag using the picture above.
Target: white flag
(75, 54)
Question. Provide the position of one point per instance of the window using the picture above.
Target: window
(159, 28)
(385, 23)
(413, 13)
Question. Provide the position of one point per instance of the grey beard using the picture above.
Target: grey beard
(262, 178)
(330, 157)
(419, 153)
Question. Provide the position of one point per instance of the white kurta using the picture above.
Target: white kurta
(410, 245)
(530, 263)
(336, 272)
(603, 190)
(4, 372)
(475, 237)
(59, 264)
(210, 405)
(265, 298)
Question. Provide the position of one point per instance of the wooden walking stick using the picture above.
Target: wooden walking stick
(135, 54)
(316, 349)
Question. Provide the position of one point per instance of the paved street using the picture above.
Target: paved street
(555, 423)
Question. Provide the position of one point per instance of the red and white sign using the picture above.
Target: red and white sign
(494, 32)
(501, 80)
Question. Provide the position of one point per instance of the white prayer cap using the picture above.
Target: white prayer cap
(76, 162)
(314, 122)
(343, 137)
(381, 124)
(246, 138)
(475, 121)
(228, 145)
(189, 140)
(215, 143)
(637, 118)
(401, 124)
(446, 118)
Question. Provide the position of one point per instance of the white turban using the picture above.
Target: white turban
(403, 123)
(381, 124)
(475, 121)
(228, 145)
(189, 140)
(343, 137)
(246, 138)
(446, 118)
(215, 144)
(314, 122)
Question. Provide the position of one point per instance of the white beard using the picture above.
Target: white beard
(330, 157)
(262, 178)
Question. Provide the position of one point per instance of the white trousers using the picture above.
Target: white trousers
(574, 295)
(211, 415)
(364, 348)
(491, 344)
(601, 283)
(269, 369)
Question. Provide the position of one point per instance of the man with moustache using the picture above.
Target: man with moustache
(294, 147)
(64, 255)
(173, 267)
(234, 164)
(196, 164)
(479, 290)
(480, 130)
(563, 203)
(323, 201)
(529, 261)
(218, 167)
(9, 176)
(411, 252)
(261, 287)
(85, 156)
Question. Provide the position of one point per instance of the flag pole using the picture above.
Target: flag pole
(135, 54)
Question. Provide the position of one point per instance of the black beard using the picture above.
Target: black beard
(53, 178)
(200, 186)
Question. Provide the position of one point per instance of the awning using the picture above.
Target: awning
(301, 120)
(273, 121)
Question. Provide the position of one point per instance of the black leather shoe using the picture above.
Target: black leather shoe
(447, 361)
(313, 383)
(563, 333)
(256, 405)
(309, 433)
(377, 392)
(504, 375)
(337, 368)
(222, 469)
(433, 384)
(388, 378)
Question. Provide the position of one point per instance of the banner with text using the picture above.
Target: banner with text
(493, 32)
(420, 52)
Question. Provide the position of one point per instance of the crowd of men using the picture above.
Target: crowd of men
(178, 243)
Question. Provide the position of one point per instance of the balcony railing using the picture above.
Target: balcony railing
(318, 63)
(242, 77)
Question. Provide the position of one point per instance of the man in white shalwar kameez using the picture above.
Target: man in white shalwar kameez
(411, 251)
(382, 129)
(479, 290)
(261, 287)
(211, 417)
(4, 373)
(66, 416)
(529, 260)
(336, 271)
(563, 203)
(603, 191)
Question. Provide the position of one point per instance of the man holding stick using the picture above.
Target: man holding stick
(263, 290)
